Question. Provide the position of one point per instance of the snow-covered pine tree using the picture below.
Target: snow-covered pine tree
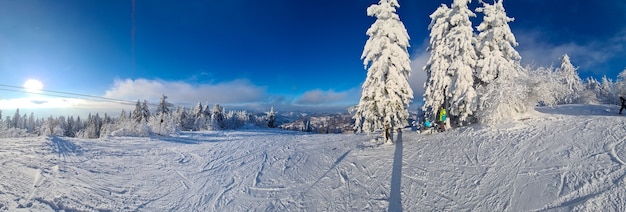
(500, 77)
(607, 93)
(15, 122)
(461, 100)
(199, 119)
(182, 119)
(137, 114)
(496, 46)
(573, 84)
(178, 117)
(163, 123)
(541, 85)
(197, 111)
(620, 85)
(240, 119)
(2, 124)
(78, 125)
(386, 92)
(589, 94)
(7, 122)
(592, 84)
(145, 111)
(461, 37)
(63, 127)
(69, 129)
(450, 68)
(24, 122)
(164, 107)
(271, 118)
(93, 127)
(52, 127)
(206, 112)
(230, 120)
(31, 123)
(217, 117)
(164, 115)
(437, 78)
(123, 116)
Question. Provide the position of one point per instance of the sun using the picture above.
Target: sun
(33, 86)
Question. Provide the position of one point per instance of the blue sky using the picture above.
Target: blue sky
(251, 52)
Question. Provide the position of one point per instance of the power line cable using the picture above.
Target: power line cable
(71, 95)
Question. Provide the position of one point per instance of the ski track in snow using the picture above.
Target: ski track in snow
(561, 159)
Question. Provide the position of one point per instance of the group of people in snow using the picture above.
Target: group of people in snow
(440, 122)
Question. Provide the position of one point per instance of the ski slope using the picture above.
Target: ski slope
(566, 158)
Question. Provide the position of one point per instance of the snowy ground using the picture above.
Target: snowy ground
(567, 158)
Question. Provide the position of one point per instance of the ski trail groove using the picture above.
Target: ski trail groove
(327, 171)
(562, 182)
(39, 178)
(613, 153)
(596, 186)
(184, 180)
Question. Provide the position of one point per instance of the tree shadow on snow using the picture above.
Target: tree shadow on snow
(582, 110)
(222, 135)
(179, 140)
(395, 198)
(332, 167)
(185, 139)
(64, 147)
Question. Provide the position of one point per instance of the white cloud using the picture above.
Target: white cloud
(329, 97)
(39, 102)
(43, 106)
(536, 51)
(233, 92)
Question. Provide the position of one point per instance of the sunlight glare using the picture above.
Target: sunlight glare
(33, 86)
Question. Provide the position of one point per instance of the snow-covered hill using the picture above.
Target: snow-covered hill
(566, 158)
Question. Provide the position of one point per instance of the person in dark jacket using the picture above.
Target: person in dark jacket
(442, 119)
(623, 104)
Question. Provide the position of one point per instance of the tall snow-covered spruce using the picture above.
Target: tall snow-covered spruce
(500, 77)
(437, 77)
(450, 68)
(570, 79)
(498, 58)
(386, 92)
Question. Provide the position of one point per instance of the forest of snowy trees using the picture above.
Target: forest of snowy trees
(477, 76)
(474, 73)
(165, 120)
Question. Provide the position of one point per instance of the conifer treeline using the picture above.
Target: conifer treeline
(140, 122)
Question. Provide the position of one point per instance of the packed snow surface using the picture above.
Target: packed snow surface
(571, 157)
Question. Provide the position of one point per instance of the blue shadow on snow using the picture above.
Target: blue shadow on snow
(395, 198)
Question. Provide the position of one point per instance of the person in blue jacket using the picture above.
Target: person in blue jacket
(427, 123)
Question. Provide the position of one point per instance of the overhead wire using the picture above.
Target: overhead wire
(63, 94)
